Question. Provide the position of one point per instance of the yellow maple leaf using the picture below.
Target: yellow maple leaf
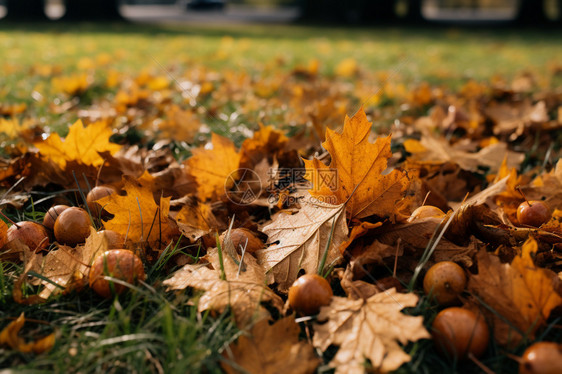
(12, 127)
(355, 174)
(214, 170)
(82, 144)
(71, 85)
(520, 292)
(137, 216)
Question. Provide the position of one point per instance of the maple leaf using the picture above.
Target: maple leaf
(9, 337)
(369, 329)
(81, 144)
(195, 219)
(272, 349)
(12, 127)
(137, 216)
(181, 124)
(214, 170)
(242, 288)
(265, 143)
(299, 241)
(520, 292)
(358, 166)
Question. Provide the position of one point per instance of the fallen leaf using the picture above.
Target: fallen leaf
(137, 216)
(418, 233)
(299, 241)
(81, 144)
(371, 329)
(359, 268)
(265, 143)
(9, 337)
(272, 349)
(438, 150)
(215, 170)
(520, 292)
(195, 219)
(355, 175)
(62, 269)
(243, 287)
(512, 119)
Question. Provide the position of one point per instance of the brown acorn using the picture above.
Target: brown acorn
(243, 238)
(72, 226)
(32, 234)
(542, 358)
(533, 213)
(95, 194)
(445, 281)
(121, 264)
(52, 214)
(308, 293)
(458, 331)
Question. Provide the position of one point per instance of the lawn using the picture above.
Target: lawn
(227, 80)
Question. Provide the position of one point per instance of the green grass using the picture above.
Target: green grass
(151, 331)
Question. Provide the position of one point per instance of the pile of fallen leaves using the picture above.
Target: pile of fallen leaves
(311, 200)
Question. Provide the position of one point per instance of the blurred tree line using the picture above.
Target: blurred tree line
(351, 11)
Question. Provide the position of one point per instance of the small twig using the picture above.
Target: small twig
(398, 242)
(10, 220)
(482, 367)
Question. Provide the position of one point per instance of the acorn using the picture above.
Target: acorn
(542, 358)
(243, 238)
(52, 214)
(426, 211)
(72, 226)
(32, 234)
(114, 239)
(308, 293)
(533, 213)
(95, 194)
(444, 281)
(457, 332)
(121, 264)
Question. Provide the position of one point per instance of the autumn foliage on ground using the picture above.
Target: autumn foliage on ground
(327, 185)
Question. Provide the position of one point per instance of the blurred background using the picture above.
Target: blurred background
(530, 12)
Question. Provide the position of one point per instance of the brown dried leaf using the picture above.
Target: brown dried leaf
(369, 329)
(243, 289)
(438, 150)
(358, 268)
(418, 233)
(272, 349)
(299, 241)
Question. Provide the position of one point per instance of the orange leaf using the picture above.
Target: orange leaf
(265, 143)
(215, 170)
(81, 144)
(136, 215)
(355, 172)
(522, 293)
(9, 336)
